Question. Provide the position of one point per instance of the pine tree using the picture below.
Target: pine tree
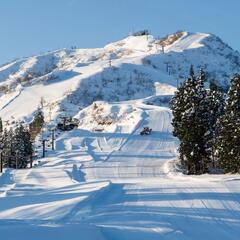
(22, 146)
(216, 102)
(189, 107)
(202, 120)
(7, 147)
(178, 107)
(17, 147)
(228, 143)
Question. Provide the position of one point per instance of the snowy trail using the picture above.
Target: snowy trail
(169, 210)
(139, 156)
(146, 203)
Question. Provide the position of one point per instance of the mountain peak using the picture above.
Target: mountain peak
(135, 67)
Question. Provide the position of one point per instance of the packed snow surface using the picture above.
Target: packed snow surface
(105, 181)
(113, 183)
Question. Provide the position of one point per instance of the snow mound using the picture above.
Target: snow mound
(108, 117)
(134, 43)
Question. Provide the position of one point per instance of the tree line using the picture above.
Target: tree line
(16, 143)
(207, 123)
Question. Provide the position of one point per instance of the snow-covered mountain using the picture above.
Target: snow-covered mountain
(133, 68)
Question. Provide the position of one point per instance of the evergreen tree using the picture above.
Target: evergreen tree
(7, 147)
(189, 107)
(228, 143)
(216, 101)
(22, 147)
(17, 147)
(178, 107)
(202, 121)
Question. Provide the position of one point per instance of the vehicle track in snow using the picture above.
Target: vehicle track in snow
(139, 156)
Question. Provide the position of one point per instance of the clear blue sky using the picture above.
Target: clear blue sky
(30, 27)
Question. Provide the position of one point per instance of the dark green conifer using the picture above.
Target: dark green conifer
(189, 107)
(228, 143)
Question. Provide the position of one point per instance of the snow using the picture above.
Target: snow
(188, 41)
(105, 181)
(116, 184)
(139, 43)
(137, 69)
(200, 50)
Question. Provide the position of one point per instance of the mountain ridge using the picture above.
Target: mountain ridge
(132, 68)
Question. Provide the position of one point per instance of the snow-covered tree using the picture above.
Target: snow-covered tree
(22, 146)
(228, 143)
(178, 107)
(17, 147)
(190, 122)
(216, 102)
(7, 147)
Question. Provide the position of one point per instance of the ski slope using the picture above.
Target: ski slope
(116, 184)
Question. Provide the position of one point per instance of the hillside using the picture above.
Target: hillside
(133, 68)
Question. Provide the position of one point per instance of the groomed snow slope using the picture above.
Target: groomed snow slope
(116, 184)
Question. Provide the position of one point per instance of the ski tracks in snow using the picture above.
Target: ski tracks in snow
(120, 184)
